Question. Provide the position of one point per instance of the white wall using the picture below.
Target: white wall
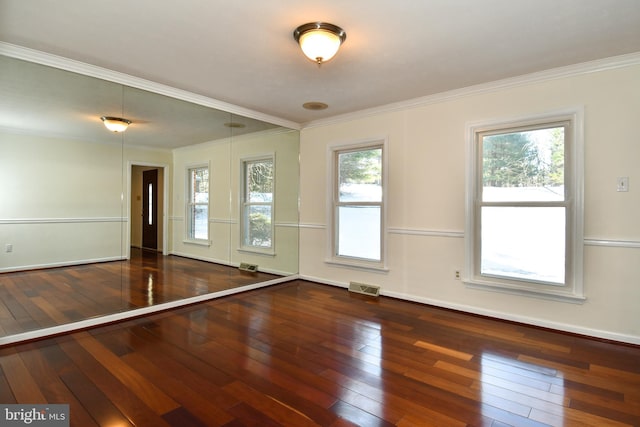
(426, 199)
(61, 200)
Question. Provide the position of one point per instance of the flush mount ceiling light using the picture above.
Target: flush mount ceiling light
(319, 41)
(115, 124)
(315, 106)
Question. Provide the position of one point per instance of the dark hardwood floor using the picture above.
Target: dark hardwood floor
(42, 298)
(304, 354)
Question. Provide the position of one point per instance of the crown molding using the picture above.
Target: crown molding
(32, 55)
(621, 61)
(55, 61)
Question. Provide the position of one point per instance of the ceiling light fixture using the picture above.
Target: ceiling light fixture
(115, 124)
(315, 106)
(235, 125)
(319, 41)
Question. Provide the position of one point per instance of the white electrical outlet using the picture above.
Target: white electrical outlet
(8, 247)
(457, 275)
(623, 184)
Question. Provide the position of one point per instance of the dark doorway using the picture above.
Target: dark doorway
(150, 209)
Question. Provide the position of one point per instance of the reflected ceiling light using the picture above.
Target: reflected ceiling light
(235, 125)
(115, 124)
(319, 41)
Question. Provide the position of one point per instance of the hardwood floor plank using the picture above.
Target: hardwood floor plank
(268, 381)
(300, 353)
(271, 407)
(571, 418)
(180, 417)
(204, 377)
(6, 395)
(246, 416)
(45, 364)
(41, 298)
(492, 391)
(443, 350)
(138, 384)
(410, 420)
(93, 401)
(604, 413)
(123, 398)
(358, 416)
(23, 385)
(509, 418)
(389, 406)
(585, 376)
(193, 405)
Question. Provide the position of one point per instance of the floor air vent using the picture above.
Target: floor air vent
(251, 268)
(362, 288)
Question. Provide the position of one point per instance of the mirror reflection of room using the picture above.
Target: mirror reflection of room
(95, 222)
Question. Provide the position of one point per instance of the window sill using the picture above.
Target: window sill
(252, 251)
(362, 265)
(197, 242)
(552, 294)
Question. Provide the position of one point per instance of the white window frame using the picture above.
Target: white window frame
(572, 289)
(333, 205)
(245, 205)
(189, 204)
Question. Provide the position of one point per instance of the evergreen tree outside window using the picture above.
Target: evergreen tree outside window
(525, 206)
(358, 212)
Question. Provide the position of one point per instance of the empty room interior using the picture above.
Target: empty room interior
(363, 213)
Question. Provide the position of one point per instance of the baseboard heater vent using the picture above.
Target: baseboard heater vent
(251, 268)
(363, 288)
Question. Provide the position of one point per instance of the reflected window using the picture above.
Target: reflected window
(257, 203)
(198, 203)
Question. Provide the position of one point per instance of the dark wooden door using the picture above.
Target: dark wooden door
(150, 209)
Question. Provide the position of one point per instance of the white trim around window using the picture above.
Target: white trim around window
(568, 285)
(265, 244)
(377, 206)
(189, 202)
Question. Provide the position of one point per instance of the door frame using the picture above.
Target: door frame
(165, 204)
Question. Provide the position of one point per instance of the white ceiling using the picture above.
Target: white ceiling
(242, 52)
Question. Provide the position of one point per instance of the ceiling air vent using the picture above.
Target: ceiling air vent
(363, 288)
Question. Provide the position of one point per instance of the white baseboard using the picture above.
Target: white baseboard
(564, 327)
(61, 264)
(231, 264)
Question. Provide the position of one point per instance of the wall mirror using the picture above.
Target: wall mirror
(95, 223)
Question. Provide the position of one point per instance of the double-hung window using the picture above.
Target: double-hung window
(257, 203)
(525, 213)
(198, 204)
(358, 205)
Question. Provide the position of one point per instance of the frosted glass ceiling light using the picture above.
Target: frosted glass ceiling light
(319, 41)
(115, 124)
